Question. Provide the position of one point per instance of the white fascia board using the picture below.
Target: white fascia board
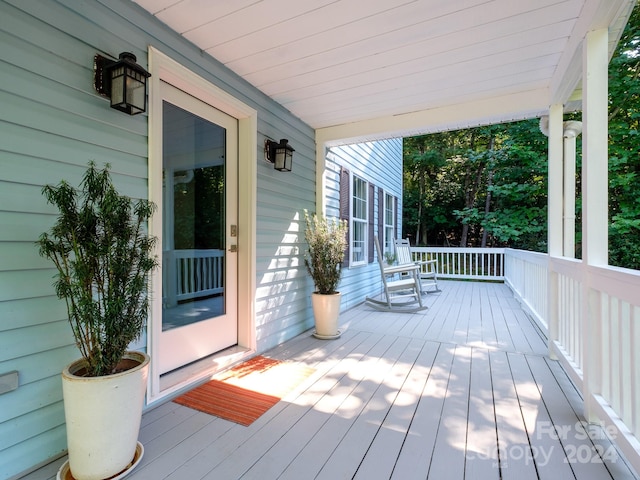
(501, 109)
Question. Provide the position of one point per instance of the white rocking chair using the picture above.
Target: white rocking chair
(427, 268)
(399, 282)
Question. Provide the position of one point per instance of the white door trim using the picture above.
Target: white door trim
(164, 68)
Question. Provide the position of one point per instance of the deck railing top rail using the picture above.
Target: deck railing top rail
(464, 263)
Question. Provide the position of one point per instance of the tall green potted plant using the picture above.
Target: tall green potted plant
(104, 258)
(327, 240)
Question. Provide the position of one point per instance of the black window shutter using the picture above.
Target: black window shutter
(371, 204)
(381, 213)
(344, 209)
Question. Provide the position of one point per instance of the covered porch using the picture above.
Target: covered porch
(473, 387)
(463, 390)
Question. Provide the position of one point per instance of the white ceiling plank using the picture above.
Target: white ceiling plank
(469, 58)
(526, 81)
(399, 101)
(186, 15)
(377, 33)
(421, 81)
(406, 24)
(260, 19)
(351, 58)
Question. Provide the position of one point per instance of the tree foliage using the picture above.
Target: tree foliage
(624, 148)
(467, 187)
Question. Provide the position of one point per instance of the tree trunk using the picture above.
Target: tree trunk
(487, 203)
(470, 198)
(487, 209)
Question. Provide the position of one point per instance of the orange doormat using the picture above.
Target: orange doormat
(243, 393)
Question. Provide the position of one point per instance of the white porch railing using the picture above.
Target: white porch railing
(464, 263)
(526, 273)
(592, 318)
(190, 274)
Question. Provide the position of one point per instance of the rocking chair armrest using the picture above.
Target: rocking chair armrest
(401, 268)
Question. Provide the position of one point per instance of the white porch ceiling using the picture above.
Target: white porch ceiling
(373, 68)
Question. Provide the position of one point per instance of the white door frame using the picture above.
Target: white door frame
(168, 70)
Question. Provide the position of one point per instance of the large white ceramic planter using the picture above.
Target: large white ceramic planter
(326, 309)
(103, 418)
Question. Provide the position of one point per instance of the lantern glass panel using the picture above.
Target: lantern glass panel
(136, 92)
(280, 154)
(283, 159)
(117, 86)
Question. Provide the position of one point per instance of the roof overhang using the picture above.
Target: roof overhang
(368, 69)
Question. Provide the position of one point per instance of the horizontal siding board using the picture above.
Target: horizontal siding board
(21, 226)
(26, 198)
(30, 398)
(22, 284)
(36, 339)
(23, 313)
(22, 256)
(23, 428)
(42, 151)
(48, 444)
(44, 91)
(68, 124)
(41, 365)
(61, 57)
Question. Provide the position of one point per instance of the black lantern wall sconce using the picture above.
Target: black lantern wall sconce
(279, 154)
(123, 81)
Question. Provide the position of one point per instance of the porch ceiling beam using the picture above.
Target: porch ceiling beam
(504, 108)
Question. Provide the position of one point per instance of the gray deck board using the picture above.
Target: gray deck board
(462, 390)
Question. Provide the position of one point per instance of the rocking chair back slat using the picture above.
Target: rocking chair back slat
(427, 269)
(399, 282)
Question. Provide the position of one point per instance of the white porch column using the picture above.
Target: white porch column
(595, 166)
(555, 186)
(554, 214)
(594, 205)
(571, 130)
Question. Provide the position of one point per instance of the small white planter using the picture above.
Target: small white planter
(103, 418)
(326, 310)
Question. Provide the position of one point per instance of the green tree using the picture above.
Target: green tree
(624, 152)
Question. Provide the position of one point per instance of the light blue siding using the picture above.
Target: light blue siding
(379, 163)
(51, 124)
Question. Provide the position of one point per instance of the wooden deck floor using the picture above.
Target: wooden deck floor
(464, 390)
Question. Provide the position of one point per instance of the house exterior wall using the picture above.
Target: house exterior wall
(52, 123)
(380, 164)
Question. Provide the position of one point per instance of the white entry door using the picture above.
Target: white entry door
(199, 233)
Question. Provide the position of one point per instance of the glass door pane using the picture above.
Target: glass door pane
(194, 218)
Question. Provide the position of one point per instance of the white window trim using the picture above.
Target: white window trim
(352, 221)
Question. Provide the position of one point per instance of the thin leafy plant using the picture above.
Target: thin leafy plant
(104, 258)
(327, 240)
